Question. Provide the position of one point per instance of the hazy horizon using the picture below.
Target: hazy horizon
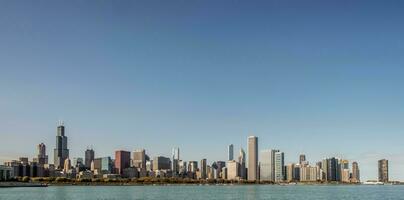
(321, 78)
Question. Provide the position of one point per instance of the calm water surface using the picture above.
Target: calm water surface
(205, 192)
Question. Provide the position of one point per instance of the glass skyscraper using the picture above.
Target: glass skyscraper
(61, 152)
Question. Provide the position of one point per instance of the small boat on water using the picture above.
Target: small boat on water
(373, 183)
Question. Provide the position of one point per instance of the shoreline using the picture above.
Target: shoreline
(50, 184)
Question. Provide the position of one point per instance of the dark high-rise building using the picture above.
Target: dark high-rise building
(61, 152)
(42, 158)
(384, 170)
(89, 157)
(122, 161)
(230, 152)
(302, 159)
(161, 163)
(333, 169)
(220, 165)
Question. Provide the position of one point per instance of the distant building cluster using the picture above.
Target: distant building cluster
(258, 166)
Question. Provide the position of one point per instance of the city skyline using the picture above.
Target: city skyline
(318, 78)
(268, 165)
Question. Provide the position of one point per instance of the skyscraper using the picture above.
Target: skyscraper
(308, 173)
(122, 161)
(252, 158)
(42, 158)
(161, 163)
(383, 171)
(232, 170)
(290, 172)
(182, 167)
(98, 165)
(175, 156)
(203, 169)
(61, 152)
(344, 171)
(230, 153)
(242, 162)
(106, 165)
(267, 165)
(219, 166)
(332, 169)
(67, 165)
(192, 166)
(139, 159)
(302, 159)
(355, 173)
(279, 166)
(88, 158)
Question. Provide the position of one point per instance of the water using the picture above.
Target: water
(205, 192)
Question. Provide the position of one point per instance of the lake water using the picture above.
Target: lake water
(206, 192)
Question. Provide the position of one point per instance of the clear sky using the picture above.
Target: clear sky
(324, 78)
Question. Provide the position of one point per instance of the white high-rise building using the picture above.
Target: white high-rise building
(267, 165)
(308, 173)
(279, 167)
(232, 170)
(174, 161)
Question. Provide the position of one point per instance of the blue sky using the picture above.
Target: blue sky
(324, 78)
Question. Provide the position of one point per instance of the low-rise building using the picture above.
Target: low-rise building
(130, 172)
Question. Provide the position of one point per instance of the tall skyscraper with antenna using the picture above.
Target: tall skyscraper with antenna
(61, 152)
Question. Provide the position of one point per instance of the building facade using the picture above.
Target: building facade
(279, 166)
(242, 162)
(383, 167)
(252, 158)
(139, 159)
(106, 165)
(61, 152)
(88, 158)
(267, 165)
(175, 158)
(355, 173)
(41, 158)
(302, 159)
(308, 174)
(203, 169)
(161, 163)
(232, 170)
(122, 161)
(230, 152)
